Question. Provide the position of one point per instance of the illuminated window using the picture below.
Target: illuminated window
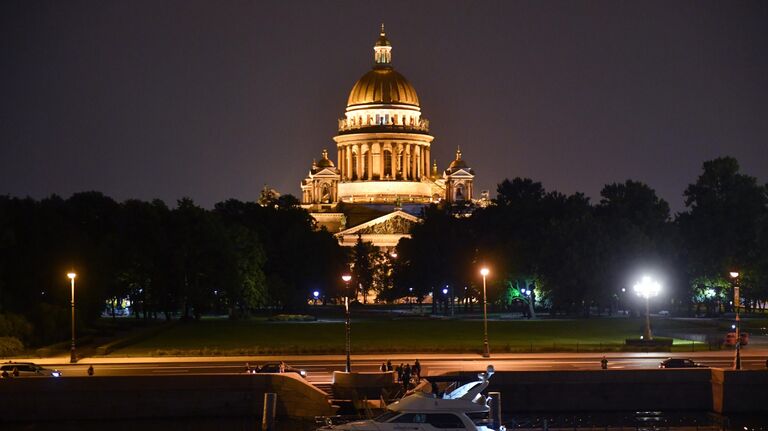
(387, 163)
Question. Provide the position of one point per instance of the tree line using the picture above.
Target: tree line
(184, 261)
(571, 256)
(545, 249)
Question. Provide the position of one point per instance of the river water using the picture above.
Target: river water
(591, 420)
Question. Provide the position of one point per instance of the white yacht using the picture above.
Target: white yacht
(463, 409)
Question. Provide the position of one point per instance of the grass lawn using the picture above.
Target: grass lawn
(225, 337)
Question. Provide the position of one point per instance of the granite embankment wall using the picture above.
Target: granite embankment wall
(240, 395)
(697, 389)
(743, 391)
(146, 397)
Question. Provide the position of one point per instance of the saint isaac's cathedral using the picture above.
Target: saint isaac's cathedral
(382, 178)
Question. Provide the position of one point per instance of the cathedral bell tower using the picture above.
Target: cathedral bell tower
(459, 178)
(322, 184)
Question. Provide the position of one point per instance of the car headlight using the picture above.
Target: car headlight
(56, 374)
(303, 373)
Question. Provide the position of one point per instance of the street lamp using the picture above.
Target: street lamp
(346, 278)
(315, 294)
(646, 288)
(72, 352)
(486, 350)
(735, 281)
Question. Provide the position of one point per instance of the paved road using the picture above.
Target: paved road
(320, 368)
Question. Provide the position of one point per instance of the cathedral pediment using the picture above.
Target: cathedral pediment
(462, 173)
(326, 172)
(395, 223)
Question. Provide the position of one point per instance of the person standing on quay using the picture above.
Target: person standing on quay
(389, 365)
(406, 377)
(417, 371)
(383, 367)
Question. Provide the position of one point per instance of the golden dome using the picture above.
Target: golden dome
(383, 85)
(458, 163)
(325, 162)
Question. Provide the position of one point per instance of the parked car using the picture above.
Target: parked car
(679, 363)
(274, 367)
(28, 369)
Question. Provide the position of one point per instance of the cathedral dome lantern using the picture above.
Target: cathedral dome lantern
(382, 49)
(382, 97)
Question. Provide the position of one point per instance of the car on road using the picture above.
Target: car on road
(28, 369)
(680, 363)
(274, 367)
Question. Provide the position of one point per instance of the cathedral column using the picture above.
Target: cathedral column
(338, 160)
(419, 162)
(343, 163)
(359, 162)
(411, 159)
(369, 162)
(348, 161)
(407, 162)
(395, 159)
(381, 160)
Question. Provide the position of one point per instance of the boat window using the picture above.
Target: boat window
(410, 418)
(444, 420)
(386, 416)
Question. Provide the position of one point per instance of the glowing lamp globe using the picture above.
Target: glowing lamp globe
(647, 287)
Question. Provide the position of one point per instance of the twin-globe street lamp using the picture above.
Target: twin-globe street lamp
(646, 288)
(486, 350)
(72, 352)
(735, 281)
(346, 278)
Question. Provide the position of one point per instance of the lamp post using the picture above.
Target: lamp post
(486, 350)
(646, 288)
(346, 278)
(72, 352)
(315, 295)
(735, 281)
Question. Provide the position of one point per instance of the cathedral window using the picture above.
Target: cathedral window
(387, 163)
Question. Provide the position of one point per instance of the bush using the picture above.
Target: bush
(16, 326)
(10, 346)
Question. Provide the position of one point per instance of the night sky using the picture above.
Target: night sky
(213, 99)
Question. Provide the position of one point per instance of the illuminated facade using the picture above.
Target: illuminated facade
(383, 169)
